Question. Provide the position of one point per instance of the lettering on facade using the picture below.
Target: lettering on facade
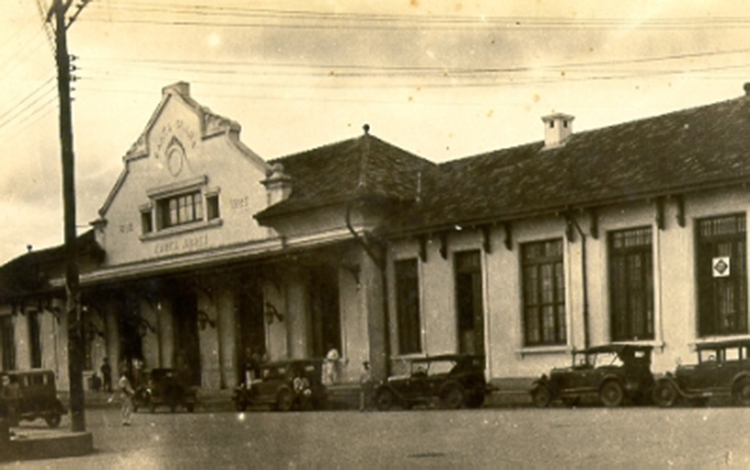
(126, 228)
(179, 130)
(193, 243)
(239, 203)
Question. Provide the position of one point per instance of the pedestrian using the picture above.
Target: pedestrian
(126, 395)
(106, 371)
(331, 367)
(365, 387)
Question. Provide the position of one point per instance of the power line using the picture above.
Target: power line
(298, 19)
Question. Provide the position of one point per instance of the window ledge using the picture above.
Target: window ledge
(534, 350)
(180, 229)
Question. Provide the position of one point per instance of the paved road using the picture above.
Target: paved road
(488, 438)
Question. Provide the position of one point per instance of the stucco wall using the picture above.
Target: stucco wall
(675, 294)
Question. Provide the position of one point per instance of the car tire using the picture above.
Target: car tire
(741, 392)
(612, 394)
(452, 396)
(384, 399)
(53, 420)
(285, 400)
(665, 394)
(541, 396)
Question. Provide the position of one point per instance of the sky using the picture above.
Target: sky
(441, 79)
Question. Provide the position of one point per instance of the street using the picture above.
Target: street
(488, 438)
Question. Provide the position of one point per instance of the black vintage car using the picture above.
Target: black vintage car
(28, 395)
(455, 380)
(284, 385)
(723, 369)
(166, 387)
(615, 373)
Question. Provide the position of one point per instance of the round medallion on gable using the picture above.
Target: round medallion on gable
(175, 158)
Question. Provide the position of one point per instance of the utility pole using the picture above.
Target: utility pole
(72, 287)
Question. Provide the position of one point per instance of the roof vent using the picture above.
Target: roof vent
(557, 128)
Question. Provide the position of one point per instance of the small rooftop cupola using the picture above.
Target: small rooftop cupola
(557, 129)
(278, 184)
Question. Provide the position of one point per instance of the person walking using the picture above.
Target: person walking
(126, 395)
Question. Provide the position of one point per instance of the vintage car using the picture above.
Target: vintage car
(723, 369)
(615, 373)
(284, 385)
(32, 394)
(165, 387)
(455, 380)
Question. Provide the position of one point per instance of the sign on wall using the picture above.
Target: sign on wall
(721, 266)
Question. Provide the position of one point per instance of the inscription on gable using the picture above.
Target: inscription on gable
(178, 129)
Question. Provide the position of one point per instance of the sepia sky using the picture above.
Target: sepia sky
(444, 80)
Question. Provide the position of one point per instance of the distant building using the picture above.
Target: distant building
(204, 254)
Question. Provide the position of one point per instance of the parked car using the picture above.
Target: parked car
(723, 369)
(32, 394)
(284, 385)
(166, 387)
(455, 380)
(615, 373)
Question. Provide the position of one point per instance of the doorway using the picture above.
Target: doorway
(469, 303)
(324, 310)
(186, 341)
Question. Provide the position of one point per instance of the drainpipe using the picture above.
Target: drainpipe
(572, 221)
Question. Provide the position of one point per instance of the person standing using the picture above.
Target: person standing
(126, 395)
(106, 371)
(365, 387)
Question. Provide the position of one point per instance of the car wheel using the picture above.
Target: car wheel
(285, 400)
(665, 394)
(53, 420)
(742, 392)
(452, 396)
(384, 399)
(612, 394)
(541, 396)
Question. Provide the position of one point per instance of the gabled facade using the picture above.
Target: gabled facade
(204, 254)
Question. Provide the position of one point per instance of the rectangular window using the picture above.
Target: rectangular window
(35, 339)
(180, 210)
(8, 342)
(631, 284)
(722, 275)
(146, 223)
(407, 306)
(212, 206)
(543, 293)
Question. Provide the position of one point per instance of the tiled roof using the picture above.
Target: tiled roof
(30, 272)
(674, 153)
(331, 175)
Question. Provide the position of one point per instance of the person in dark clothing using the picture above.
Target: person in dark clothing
(106, 371)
